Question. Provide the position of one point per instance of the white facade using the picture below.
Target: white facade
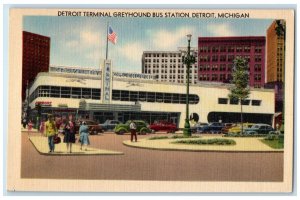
(208, 101)
(167, 66)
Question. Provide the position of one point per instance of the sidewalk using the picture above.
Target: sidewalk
(41, 145)
(242, 145)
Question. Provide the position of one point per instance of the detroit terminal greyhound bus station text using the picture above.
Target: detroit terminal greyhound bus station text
(154, 14)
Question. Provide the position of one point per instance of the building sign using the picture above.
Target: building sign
(106, 82)
(43, 103)
(73, 70)
(132, 75)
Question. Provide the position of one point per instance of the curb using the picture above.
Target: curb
(201, 150)
(73, 154)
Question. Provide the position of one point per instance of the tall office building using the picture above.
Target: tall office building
(35, 57)
(275, 54)
(216, 55)
(275, 64)
(167, 66)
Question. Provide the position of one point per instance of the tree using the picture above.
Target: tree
(240, 78)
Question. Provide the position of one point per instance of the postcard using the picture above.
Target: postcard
(150, 100)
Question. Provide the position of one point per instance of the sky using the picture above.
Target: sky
(81, 41)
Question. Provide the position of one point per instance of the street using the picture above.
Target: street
(145, 164)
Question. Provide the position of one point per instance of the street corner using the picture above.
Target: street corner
(41, 145)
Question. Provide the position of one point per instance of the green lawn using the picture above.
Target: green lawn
(273, 144)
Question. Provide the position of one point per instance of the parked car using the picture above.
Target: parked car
(227, 126)
(259, 129)
(141, 127)
(197, 126)
(109, 124)
(94, 127)
(164, 126)
(214, 127)
(238, 128)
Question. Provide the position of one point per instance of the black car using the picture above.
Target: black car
(109, 125)
(259, 129)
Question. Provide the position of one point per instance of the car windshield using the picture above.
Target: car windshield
(255, 126)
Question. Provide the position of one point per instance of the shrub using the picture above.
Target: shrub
(158, 137)
(183, 136)
(244, 135)
(215, 141)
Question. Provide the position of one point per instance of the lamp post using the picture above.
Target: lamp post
(188, 59)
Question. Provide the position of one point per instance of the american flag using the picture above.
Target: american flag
(112, 36)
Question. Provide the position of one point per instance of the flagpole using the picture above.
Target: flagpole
(106, 41)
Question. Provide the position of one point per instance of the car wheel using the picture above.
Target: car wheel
(143, 132)
(121, 132)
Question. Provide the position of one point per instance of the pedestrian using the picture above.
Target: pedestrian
(51, 130)
(132, 127)
(69, 138)
(30, 125)
(24, 122)
(84, 135)
(42, 127)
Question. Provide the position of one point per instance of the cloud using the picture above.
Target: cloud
(221, 30)
(170, 40)
(131, 51)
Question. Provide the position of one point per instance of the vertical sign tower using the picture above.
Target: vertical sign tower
(106, 89)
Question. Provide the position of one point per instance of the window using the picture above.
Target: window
(222, 77)
(167, 98)
(256, 102)
(231, 49)
(96, 93)
(159, 97)
(116, 94)
(245, 102)
(150, 96)
(215, 58)
(229, 67)
(76, 93)
(247, 49)
(222, 49)
(222, 67)
(239, 49)
(214, 77)
(234, 101)
(258, 49)
(223, 58)
(215, 49)
(65, 92)
(257, 77)
(54, 91)
(86, 93)
(133, 95)
(124, 95)
(257, 67)
(222, 100)
(230, 58)
(257, 58)
(214, 68)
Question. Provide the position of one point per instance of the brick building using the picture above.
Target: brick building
(216, 55)
(35, 57)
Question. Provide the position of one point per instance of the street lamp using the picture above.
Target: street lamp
(188, 59)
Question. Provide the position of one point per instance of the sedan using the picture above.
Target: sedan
(259, 129)
(164, 126)
(94, 127)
